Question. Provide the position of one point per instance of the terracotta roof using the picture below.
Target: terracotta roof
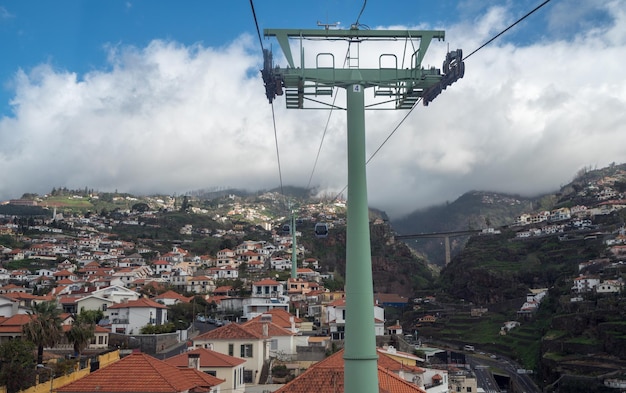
(318, 339)
(173, 295)
(14, 323)
(141, 302)
(386, 361)
(338, 303)
(390, 298)
(208, 358)
(139, 372)
(67, 299)
(266, 281)
(327, 377)
(63, 273)
(273, 329)
(230, 331)
(22, 296)
(101, 329)
(279, 317)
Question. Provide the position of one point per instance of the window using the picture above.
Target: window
(231, 349)
(246, 351)
(211, 372)
(274, 344)
(469, 389)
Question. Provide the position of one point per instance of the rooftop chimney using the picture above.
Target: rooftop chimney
(265, 329)
(194, 360)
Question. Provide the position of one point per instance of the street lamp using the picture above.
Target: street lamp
(51, 375)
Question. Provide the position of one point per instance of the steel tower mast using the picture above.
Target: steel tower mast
(404, 86)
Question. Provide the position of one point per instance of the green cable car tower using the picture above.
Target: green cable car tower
(403, 88)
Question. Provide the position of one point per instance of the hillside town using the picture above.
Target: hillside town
(266, 318)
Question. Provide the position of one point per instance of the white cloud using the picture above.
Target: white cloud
(170, 118)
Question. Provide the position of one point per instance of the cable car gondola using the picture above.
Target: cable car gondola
(321, 230)
(286, 229)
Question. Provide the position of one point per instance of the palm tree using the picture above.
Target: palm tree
(80, 334)
(44, 328)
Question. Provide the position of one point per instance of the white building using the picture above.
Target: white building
(129, 317)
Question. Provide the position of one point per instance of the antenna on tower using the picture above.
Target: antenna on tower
(327, 26)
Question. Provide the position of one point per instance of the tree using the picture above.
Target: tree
(82, 331)
(186, 204)
(44, 328)
(141, 207)
(17, 362)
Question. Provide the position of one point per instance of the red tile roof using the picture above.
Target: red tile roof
(230, 331)
(139, 372)
(389, 363)
(14, 323)
(139, 303)
(273, 329)
(327, 377)
(279, 317)
(208, 358)
(266, 281)
(173, 295)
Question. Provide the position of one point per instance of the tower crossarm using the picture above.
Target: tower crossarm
(354, 35)
(405, 86)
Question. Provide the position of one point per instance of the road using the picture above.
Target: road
(199, 328)
(483, 365)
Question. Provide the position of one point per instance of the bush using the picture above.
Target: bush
(280, 371)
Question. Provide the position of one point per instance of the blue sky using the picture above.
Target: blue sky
(74, 34)
(82, 105)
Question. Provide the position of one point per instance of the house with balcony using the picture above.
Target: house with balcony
(129, 317)
(162, 266)
(584, 284)
(282, 343)
(236, 340)
(279, 263)
(300, 286)
(255, 306)
(267, 288)
(227, 272)
(250, 256)
(196, 284)
(226, 257)
(336, 319)
(610, 286)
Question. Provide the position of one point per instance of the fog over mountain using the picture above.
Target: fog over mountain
(170, 118)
